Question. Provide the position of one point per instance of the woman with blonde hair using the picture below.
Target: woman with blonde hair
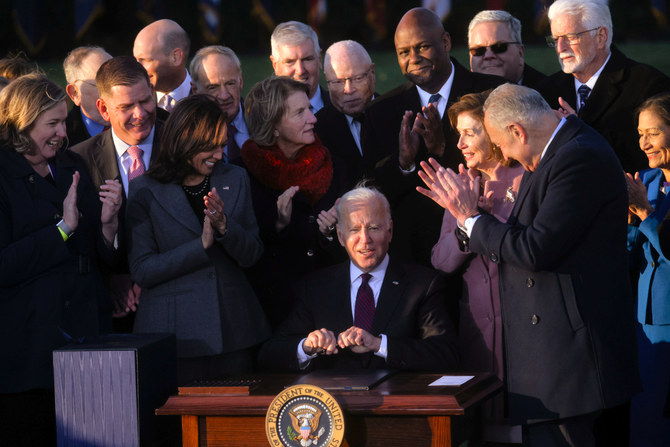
(54, 231)
(295, 181)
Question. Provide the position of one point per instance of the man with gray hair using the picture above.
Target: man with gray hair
(296, 53)
(162, 47)
(371, 312)
(597, 81)
(216, 71)
(80, 66)
(494, 42)
(350, 74)
(563, 267)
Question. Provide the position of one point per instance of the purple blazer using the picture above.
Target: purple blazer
(480, 325)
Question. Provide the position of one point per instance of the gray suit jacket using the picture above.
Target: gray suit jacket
(100, 155)
(200, 295)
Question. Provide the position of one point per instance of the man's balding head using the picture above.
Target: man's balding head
(422, 46)
(162, 48)
(351, 76)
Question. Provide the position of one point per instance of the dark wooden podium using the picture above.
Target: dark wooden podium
(403, 410)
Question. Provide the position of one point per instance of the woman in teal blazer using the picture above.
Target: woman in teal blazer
(649, 203)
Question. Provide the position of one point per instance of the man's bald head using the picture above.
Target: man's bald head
(351, 76)
(422, 46)
(162, 48)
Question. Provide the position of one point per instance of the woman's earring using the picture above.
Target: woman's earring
(276, 133)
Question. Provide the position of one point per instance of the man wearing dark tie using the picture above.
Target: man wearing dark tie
(80, 66)
(216, 71)
(125, 151)
(372, 312)
(409, 124)
(597, 80)
(350, 74)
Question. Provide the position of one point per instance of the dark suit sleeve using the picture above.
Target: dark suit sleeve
(433, 348)
(280, 351)
(28, 256)
(570, 193)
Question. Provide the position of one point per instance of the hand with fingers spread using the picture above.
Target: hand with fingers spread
(320, 341)
(456, 193)
(215, 211)
(409, 142)
(429, 127)
(358, 340)
(285, 207)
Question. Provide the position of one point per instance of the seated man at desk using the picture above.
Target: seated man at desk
(371, 312)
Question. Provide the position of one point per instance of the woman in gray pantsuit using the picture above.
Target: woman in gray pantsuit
(192, 230)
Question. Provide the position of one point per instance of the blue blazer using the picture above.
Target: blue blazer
(569, 335)
(653, 291)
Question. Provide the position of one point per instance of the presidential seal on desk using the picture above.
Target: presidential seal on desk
(304, 416)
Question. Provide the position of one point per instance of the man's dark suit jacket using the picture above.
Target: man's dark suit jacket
(410, 312)
(610, 109)
(100, 157)
(334, 132)
(532, 78)
(417, 219)
(566, 302)
(76, 129)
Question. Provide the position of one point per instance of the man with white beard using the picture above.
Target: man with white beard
(598, 81)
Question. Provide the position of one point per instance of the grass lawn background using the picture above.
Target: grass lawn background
(543, 58)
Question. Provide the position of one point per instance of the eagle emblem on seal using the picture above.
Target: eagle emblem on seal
(304, 427)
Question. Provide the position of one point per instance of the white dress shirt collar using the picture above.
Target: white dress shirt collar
(177, 94)
(444, 92)
(591, 83)
(125, 160)
(316, 101)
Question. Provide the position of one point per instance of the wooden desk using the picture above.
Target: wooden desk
(401, 411)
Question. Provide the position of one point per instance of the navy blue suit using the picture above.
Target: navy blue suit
(410, 312)
(564, 288)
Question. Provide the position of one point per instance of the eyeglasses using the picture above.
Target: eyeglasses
(571, 37)
(355, 80)
(497, 48)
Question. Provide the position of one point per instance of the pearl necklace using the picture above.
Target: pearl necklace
(189, 189)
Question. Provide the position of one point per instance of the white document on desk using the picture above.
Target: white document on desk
(451, 381)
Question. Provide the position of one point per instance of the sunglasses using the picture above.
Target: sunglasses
(497, 48)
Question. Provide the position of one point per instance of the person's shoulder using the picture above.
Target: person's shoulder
(413, 272)
(83, 148)
(470, 80)
(327, 112)
(648, 175)
(230, 170)
(392, 96)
